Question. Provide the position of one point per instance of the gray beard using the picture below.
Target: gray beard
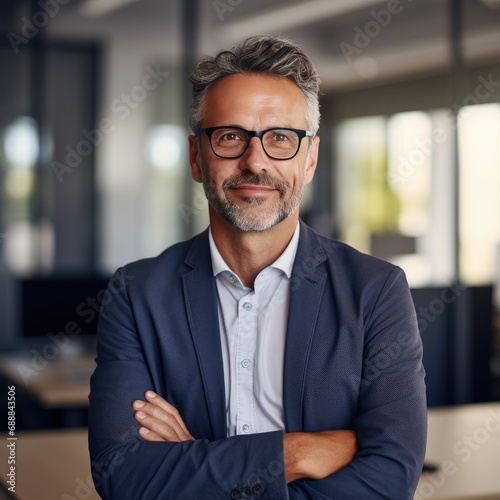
(243, 218)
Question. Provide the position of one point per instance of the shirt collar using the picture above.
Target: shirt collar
(284, 262)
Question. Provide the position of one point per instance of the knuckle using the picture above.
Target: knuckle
(171, 420)
(156, 412)
(171, 410)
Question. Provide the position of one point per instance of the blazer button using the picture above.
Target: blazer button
(235, 494)
(246, 492)
(257, 489)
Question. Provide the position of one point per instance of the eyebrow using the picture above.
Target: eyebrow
(265, 128)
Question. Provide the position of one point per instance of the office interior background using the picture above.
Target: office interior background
(94, 106)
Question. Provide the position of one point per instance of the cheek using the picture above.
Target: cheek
(214, 175)
(218, 172)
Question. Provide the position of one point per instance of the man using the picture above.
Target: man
(259, 359)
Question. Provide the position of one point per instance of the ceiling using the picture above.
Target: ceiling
(354, 43)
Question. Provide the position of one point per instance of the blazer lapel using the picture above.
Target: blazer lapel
(305, 297)
(201, 304)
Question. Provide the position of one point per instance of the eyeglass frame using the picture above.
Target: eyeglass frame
(250, 134)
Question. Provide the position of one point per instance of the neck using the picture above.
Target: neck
(247, 253)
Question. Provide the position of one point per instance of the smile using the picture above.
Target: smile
(252, 189)
(257, 187)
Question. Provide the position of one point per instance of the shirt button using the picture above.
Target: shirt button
(247, 306)
(245, 363)
(232, 279)
(246, 428)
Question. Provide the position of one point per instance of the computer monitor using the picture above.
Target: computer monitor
(61, 304)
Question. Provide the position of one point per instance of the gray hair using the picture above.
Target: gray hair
(262, 55)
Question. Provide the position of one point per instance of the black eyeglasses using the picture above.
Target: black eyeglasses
(232, 142)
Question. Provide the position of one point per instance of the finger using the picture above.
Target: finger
(157, 400)
(151, 427)
(149, 435)
(168, 431)
(161, 415)
(166, 413)
(138, 404)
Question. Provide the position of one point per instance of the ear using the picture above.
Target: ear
(312, 160)
(194, 159)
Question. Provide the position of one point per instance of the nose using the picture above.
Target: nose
(255, 158)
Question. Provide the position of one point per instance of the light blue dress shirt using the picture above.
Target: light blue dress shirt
(253, 325)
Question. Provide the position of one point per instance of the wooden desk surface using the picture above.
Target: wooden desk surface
(64, 382)
(464, 441)
(50, 465)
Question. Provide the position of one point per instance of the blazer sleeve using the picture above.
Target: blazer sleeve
(126, 466)
(391, 422)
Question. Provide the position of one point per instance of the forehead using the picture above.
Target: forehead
(243, 99)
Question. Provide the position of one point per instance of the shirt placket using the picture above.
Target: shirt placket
(245, 354)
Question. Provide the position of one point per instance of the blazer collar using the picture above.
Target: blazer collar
(308, 282)
(200, 296)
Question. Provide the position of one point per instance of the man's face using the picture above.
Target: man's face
(253, 192)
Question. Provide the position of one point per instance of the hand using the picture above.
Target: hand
(315, 455)
(160, 421)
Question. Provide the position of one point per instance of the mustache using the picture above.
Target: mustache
(262, 179)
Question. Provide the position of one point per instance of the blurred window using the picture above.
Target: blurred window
(166, 156)
(479, 149)
(394, 192)
(19, 151)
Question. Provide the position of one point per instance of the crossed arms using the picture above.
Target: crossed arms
(313, 455)
(386, 408)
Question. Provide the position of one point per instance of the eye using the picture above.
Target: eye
(228, 136)
(231, 136)
(280, 137)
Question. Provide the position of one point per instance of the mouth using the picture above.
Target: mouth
(252, 189)
(251, 186)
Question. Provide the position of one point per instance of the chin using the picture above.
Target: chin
(257, 224)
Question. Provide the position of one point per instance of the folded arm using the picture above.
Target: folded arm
(126, 465)
(313, 455)
(391, 421)
(160, 458)
(389, 426)
(131, 463)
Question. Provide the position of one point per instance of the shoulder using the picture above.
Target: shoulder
(168, 266)
(357, 282)
(318, 247)
(343, 263)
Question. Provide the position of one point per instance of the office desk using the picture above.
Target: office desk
(50, 465)
(464, 441)
(62, 383)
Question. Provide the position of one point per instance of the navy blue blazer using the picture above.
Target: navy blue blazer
(353, 360)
